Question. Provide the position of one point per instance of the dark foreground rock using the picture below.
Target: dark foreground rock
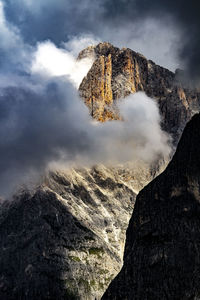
(162, 252)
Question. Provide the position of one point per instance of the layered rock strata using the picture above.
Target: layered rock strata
(117, 73)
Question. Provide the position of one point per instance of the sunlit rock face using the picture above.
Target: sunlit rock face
(161, 259)
(116, 73)
(97, 90)
(65, 240)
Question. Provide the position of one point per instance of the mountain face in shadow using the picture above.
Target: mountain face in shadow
(161, 259)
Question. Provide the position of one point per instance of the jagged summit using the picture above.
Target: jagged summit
(104, 48)
(117, 73)
(113, 75)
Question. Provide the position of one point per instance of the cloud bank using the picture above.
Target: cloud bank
(38, 128)
(42, 118)
(173, 25)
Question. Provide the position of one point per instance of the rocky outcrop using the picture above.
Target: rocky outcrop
(161, 259)
(116, 73)
(98, 90)
(66, 239)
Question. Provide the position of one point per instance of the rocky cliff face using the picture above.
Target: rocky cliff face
(66, 239)
(116, 73)
(161, 259)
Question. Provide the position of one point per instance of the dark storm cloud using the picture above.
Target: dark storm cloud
(42, 119)
(35, 127)
(61, 20)
(185, 14)
(54, 20)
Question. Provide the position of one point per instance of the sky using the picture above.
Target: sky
(42, 118)
(61, 20)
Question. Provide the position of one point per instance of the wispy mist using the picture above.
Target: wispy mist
(43, 122)
(39, 128)
(51, 61)
(158, 39)
(182, 15)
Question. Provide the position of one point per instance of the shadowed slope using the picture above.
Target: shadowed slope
(161, 259)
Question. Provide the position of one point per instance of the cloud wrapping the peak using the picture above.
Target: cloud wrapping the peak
(77, 43)
(59, 21)
(51, 61)
(42, 119)
(42, 127)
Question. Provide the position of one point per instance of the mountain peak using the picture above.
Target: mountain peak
(117, 73)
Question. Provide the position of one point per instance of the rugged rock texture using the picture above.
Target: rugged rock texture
(66, 239)
(116, 73)
(98, 90)
(161, 259)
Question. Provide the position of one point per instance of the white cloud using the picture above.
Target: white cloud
(77, 43)
(17, 53)
(43, 120)
(139, 136)
(51, 61)
(9, 35)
